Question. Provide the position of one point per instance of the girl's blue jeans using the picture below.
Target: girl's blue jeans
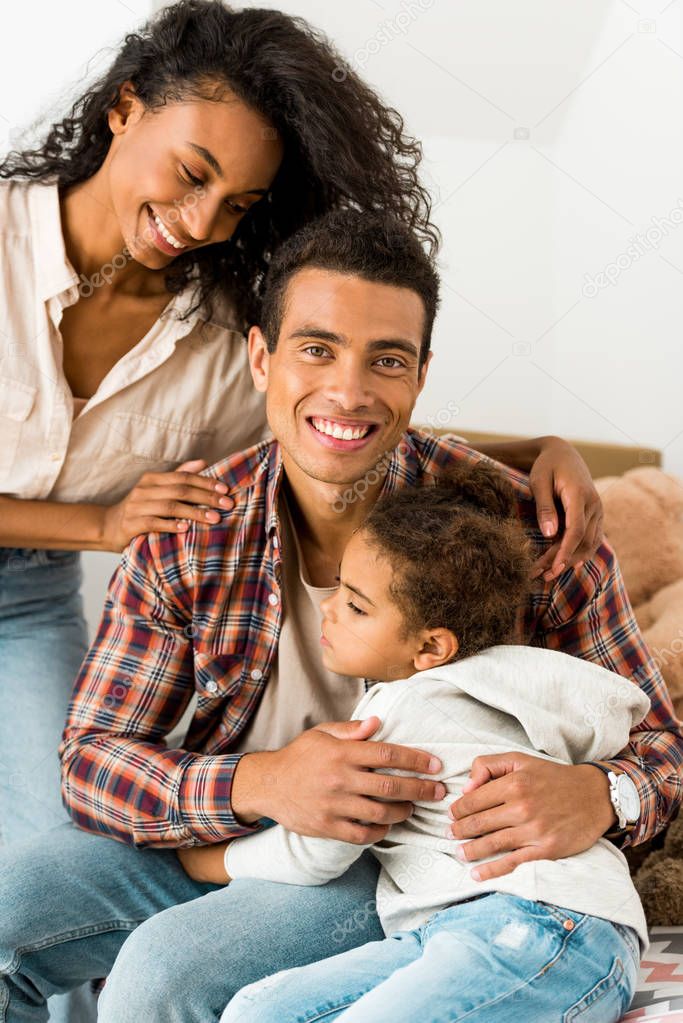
(495, 959)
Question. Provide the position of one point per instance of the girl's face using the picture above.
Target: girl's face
(361, 626)
(183, 175)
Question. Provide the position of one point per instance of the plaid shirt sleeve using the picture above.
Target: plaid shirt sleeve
(589, 615)
(118, 777)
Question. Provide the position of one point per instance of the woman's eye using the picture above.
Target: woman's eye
(236, 208)
(193, 179)
(356, 610)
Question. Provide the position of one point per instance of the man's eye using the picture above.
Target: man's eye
(315, 350)
(356, 610)
(396, 363)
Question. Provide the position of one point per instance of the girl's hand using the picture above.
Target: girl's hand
(205, 863)
(160, 501)
(560, 471)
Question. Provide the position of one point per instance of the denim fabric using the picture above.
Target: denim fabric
(75, 906)
(490, 960)
(43, 639)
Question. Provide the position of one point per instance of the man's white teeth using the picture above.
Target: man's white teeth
(167, 234)
(339, 432)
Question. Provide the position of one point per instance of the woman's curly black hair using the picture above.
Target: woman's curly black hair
(343, 146)
(460, 557)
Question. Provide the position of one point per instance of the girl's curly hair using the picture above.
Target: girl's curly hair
(459, 555)
(343, 146)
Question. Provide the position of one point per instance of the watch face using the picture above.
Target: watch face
(629, 798)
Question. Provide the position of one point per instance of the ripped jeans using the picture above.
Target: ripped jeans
(492, 959)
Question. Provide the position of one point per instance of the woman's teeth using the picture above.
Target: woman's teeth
(163, 230)
(338, 431)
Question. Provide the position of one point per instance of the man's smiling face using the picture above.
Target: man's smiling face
(342, 383)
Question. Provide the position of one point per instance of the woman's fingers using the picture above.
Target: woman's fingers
(185, 493)
(181, 478)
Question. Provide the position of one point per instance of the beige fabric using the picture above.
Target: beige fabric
(183, 391)
(300, 691)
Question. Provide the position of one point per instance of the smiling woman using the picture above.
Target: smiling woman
(134, 244)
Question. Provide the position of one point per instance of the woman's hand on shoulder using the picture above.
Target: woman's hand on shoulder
(165, 502)
(559, 472)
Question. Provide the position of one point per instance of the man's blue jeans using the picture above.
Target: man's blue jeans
(76, 906)
(492, 960)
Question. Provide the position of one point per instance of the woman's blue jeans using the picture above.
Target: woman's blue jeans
(494, 959)
(43, 639)
(75, 906)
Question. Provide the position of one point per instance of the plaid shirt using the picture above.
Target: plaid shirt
(201, 612)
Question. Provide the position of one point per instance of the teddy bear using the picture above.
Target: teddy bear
(644, 524)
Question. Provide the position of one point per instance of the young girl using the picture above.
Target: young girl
(427, 605)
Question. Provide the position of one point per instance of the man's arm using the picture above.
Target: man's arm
(118, 777)
(590, 616)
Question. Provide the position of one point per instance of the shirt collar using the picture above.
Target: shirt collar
(54, 273)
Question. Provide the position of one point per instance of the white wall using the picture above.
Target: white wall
(553, 135)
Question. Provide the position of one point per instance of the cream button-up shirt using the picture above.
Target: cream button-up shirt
(183, 391)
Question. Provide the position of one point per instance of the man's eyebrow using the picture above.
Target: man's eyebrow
(381, 344)
(216, 167)
(357, 592)
(394, 342)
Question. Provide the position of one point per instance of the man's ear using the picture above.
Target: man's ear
(259, 359)
(128, 109)
(438, 646)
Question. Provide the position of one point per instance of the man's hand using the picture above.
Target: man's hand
(326, 783)
(531, 808)
(205, 863)
(559, 471)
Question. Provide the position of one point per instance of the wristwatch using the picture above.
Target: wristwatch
(625, 800)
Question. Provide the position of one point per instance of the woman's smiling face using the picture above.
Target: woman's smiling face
(183, 175)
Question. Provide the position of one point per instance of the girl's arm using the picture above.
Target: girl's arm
(274, 854)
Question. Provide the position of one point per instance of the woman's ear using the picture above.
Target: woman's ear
(127, 110)
(438, 646)
(259, 358)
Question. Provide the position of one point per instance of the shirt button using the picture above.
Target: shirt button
(569, 925)
(55, 456)
(256, 674)
(211, 686)
(272, 599)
